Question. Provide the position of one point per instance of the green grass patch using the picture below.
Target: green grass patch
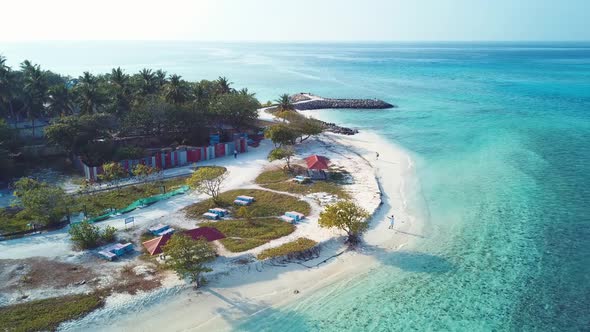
(47, 314)
(12, 222)
(299, 245)
(242, 235)
(267, 204)
(97, 203)
(280, 180)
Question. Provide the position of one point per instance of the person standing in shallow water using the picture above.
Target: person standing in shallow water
(235, 153)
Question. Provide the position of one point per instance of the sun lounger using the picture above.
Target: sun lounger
(245, 198)
(166, 231)
(302, 179)
(212, 216)
(287, 219)
(109, 256)
(115, 250)
(218, 211)
(158, 228)
(295, 215)
(241, 202)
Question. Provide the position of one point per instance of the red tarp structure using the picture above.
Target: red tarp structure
(317, 162)
(154, 246)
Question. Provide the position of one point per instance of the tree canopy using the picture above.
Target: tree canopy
(187, 257)
(208, 180)
(40, 201)
(346, 216)
(285, 152)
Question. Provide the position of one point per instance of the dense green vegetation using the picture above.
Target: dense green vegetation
(47, 314)
(280, 179)
(242, 234)
(91, 113)
(299, 245)
(93, 204)
(267, 204)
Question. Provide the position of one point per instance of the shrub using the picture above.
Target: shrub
(109, 234)
(288, 249)
(85, 235)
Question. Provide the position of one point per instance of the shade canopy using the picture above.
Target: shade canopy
(317, 162)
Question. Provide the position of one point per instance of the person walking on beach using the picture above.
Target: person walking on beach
(235, 153)
(391, 221)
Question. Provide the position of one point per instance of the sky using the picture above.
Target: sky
(296, 20)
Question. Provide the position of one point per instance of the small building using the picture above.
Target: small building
(154, 246)
(317, 167)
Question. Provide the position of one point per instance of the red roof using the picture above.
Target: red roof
(317, 162)
(154, 246)
(209, 233)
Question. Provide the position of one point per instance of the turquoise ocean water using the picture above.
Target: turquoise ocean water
(501, 136)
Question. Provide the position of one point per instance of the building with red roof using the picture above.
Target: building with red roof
(154, 246)
(317, 167)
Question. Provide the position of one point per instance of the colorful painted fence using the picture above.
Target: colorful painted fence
(171, 159)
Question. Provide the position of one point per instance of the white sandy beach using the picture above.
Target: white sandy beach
(236, 291)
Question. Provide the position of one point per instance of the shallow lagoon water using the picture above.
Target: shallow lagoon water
(500, 135)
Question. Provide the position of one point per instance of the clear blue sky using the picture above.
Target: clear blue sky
(295, 20)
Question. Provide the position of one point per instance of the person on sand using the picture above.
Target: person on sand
(235, 153)
(391, 221)
(377, 155)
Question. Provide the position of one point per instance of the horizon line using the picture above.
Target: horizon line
(303, 41)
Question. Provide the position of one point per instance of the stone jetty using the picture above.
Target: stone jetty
(306, 101)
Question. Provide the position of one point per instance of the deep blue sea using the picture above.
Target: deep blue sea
(501, 136)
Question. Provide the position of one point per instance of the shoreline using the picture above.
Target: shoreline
(237, 294)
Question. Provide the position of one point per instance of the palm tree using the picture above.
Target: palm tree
(175, 90)
(284, 103)
(119, 78)
(6, 87)
(60, 100)
(119, 83)
(88, 93)
(223, 85)
(160, 79)
(147, 82)
(35, 88)
(245, 92)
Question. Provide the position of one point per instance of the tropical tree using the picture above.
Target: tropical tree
(120, 90)
(346, 216)
(187, 257)
(238, 110)
(160, 79)
(41, 202)
(143, 171)
(35, 91)
(147, 82)
(7, 84)
(284, 103)
(286, 153)
(282, 134)
(113, 171)
(208, 180)
(90, 98)
(223, 85)
(60, 101)
(175, 91)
